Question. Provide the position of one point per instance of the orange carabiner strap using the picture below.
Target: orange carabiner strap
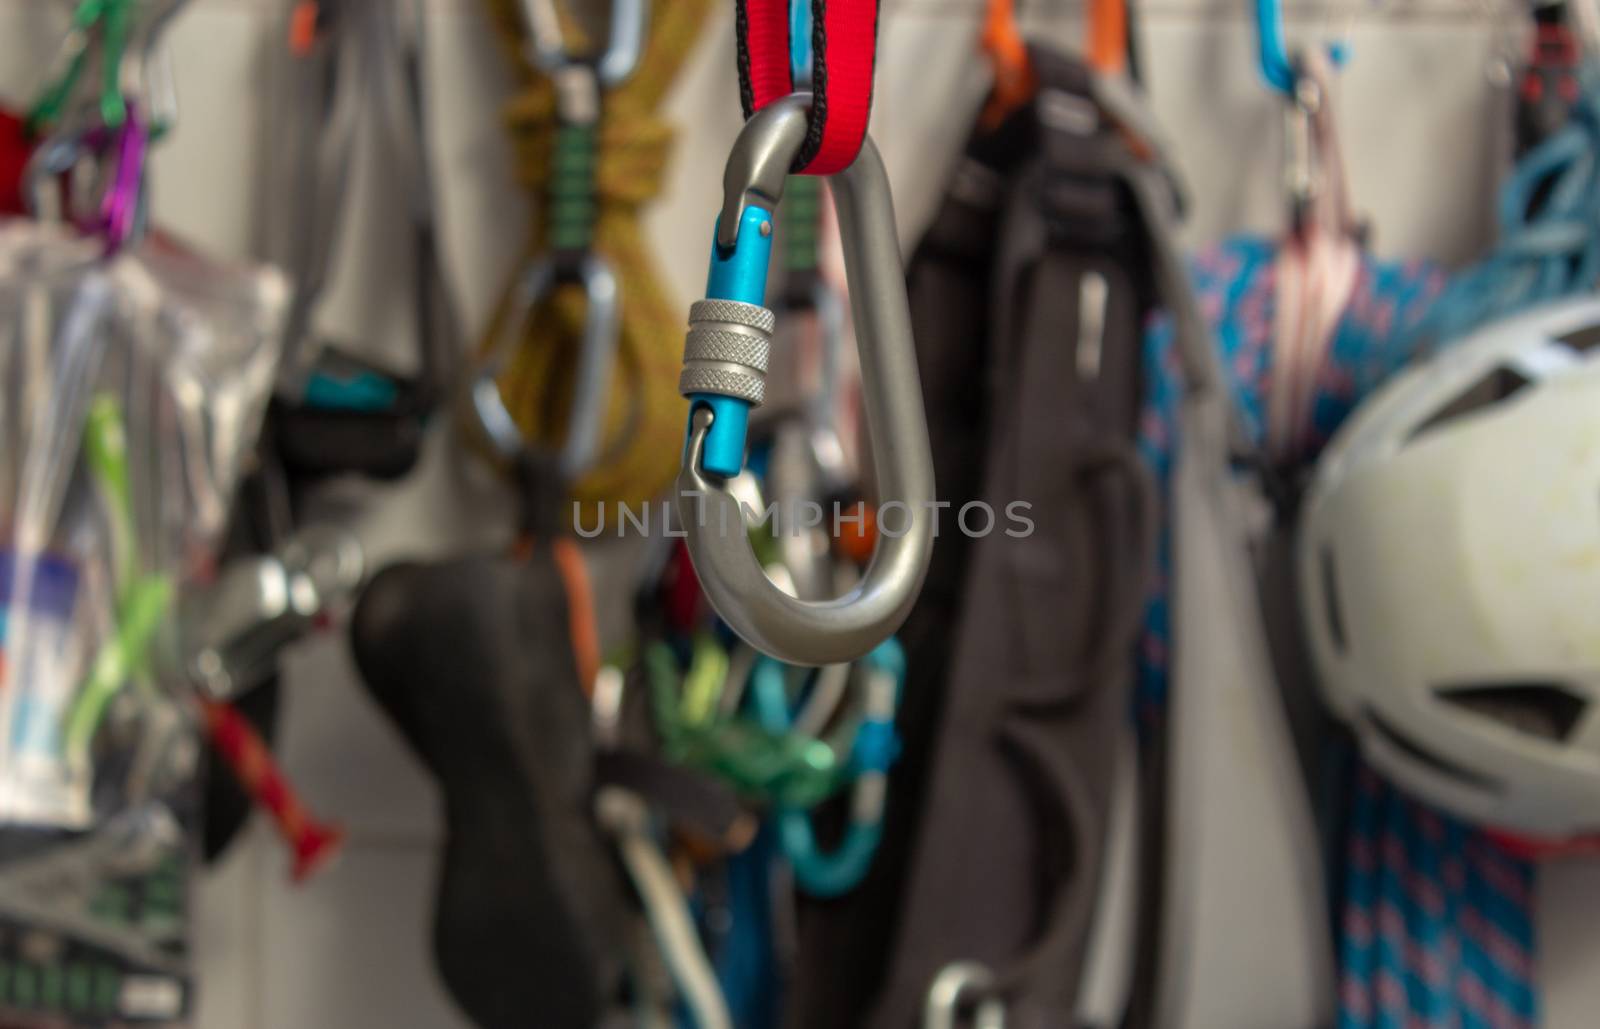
(305, 27)
(1107, 36)
(844, 47)
(583, 627)
(1014, 81)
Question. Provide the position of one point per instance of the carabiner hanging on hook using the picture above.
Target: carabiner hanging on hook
(842, 870)
(724, 374)
(570, 212)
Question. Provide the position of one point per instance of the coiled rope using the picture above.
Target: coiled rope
(1549, 218)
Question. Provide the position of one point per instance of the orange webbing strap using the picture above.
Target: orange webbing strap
(1106, 36)
(1014, 81)
(582, 624)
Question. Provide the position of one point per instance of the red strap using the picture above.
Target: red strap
(15, 149)
(844, 48)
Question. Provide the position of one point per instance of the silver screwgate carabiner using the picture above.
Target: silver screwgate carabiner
(724, 371)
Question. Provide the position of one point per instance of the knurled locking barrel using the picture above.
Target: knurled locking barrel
(726, 351)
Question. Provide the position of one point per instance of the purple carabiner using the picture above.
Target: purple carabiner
(119, 208)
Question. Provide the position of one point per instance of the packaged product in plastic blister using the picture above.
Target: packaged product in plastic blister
(130, 392)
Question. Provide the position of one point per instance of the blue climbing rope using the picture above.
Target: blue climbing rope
(1549, 229)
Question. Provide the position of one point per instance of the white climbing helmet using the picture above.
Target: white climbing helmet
(1449, 574)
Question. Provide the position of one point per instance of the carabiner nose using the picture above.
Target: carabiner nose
(725, 358)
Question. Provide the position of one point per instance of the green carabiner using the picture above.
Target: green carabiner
(142, 601)
(74, 55)
(113, 19)
(114, 46)
(702, 684)
(786, 768)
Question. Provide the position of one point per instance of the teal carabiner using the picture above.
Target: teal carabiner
(835, 873)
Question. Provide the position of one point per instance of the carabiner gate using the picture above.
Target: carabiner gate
(725, 360)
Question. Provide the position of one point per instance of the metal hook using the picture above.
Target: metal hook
(1273, 51)
(581, 448)
(954, 984)
(725, 360)
(235, 628)
(548, 50)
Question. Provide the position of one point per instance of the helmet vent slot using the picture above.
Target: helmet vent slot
(1582, 340)
(1331, 607)
(1544, 710)
(1416, 752)
(1494, 387)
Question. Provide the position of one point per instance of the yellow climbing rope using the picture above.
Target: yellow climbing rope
(642, 433)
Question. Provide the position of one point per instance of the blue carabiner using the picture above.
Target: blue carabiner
(873, 752)
(739, 274)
